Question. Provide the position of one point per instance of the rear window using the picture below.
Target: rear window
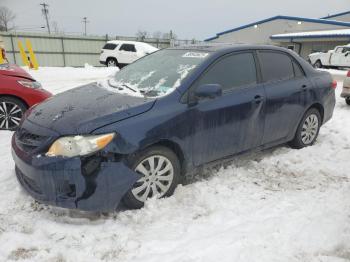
(276, 66)
(110, 46)
(128, 48)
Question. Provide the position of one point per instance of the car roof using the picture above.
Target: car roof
(228, 47)
(126, 42)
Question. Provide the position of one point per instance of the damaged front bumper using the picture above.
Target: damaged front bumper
(89, 184)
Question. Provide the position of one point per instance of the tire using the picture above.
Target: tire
(347, 100)
(11, 112)
(308, 129)
(144, 188)
(112, 62)
(318, 64)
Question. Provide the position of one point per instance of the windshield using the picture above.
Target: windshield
(160, 73)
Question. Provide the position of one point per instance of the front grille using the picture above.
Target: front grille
(29, 142)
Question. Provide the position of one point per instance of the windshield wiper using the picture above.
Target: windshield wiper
(120, 88)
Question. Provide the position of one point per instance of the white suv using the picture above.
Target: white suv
(121, 53)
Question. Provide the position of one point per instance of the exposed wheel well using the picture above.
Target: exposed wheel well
(320, 109)
(176, 149)
(16, 97)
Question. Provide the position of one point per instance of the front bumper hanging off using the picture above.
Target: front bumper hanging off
(64, 182)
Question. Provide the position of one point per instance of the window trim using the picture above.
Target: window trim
(126, 50)
(292, 60)
(116, 45)
(219, 59)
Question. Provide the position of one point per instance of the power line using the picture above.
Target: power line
(85, 21)
(45, 11)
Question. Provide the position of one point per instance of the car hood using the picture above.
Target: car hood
(14, 70)
(86, 108)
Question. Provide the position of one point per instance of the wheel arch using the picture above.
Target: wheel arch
(320, 109)
(176, 148)
(15, 97)
(112, 57)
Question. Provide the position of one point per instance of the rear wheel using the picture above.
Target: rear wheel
(347, 100)
(112, 62)
(318, 64)
(160, 171)
(11, 112)
(308, 129)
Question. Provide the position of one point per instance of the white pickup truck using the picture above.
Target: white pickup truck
(339, 57)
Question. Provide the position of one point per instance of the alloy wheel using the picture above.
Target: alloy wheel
(10, 115)
(309, 129)
(157, 176)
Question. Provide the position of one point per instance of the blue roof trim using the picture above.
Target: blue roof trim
(310, 36)
(312, 20)
(335, 15)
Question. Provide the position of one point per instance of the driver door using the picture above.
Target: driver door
(234, 121)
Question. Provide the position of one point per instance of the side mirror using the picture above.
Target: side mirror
(347, 53)
(208, 91)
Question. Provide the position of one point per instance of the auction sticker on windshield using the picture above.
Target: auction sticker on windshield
(195, 55)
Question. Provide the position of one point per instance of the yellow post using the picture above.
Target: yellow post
(32, 55)
(23, 54)
(2, 60)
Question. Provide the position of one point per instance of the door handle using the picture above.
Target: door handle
(258, 99)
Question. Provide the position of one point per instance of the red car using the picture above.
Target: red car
(18, 92)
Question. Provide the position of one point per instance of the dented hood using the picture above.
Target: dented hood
(86, 108)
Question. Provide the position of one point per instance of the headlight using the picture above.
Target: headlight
(71, 146)
(30, 84)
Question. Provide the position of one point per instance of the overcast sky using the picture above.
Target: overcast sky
(187, 18)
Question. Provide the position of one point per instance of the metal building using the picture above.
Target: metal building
(303, 35)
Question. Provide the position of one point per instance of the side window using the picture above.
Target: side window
(230, 72)
(298, 72)
(110, 46)
(339, 50)
(275, 66)
(346, 49)
(128, 48)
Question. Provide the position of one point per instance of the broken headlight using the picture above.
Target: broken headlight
(71, 146)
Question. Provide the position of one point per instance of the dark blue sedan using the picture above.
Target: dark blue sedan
(135, 136)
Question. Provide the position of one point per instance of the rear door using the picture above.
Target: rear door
(286, 89)
(233, 122)
(127, 53)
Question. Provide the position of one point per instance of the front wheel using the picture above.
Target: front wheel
(112, 62)
(11, 113)
(308, 129)
(347, 100)
(160, 170)
(318, 64)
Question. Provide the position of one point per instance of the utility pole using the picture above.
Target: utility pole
(85, 21)
(45, 11)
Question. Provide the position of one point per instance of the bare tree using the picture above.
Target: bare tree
(141, 35)
(6, 17)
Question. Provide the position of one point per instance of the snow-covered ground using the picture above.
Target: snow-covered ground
(277, 205)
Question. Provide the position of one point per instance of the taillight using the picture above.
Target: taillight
(334, 84)
(348, 75)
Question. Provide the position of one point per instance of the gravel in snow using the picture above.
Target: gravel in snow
(277, 205)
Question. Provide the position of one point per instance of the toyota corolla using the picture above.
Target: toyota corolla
(135, 136)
